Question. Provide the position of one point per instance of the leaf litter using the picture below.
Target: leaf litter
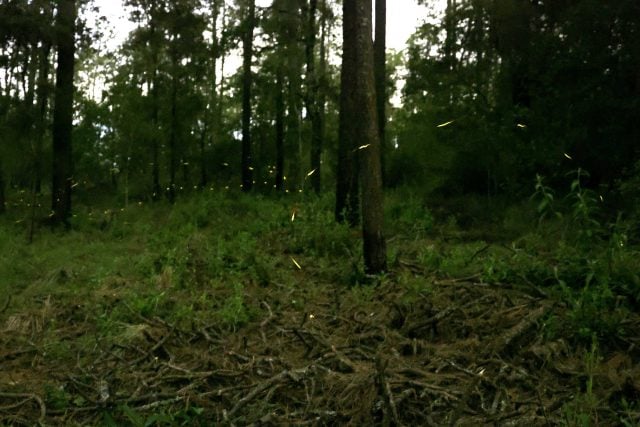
(466, 354)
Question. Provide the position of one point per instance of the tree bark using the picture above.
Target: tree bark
(379, 69)
(347, 197)
(366, 132)
(63, 115)
(247, 55)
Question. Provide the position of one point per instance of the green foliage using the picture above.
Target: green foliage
(56, 397)
(544, 197)
(234, 312)
(314, 231)
(582, 410)
(414, 287)
(584, 207)
(483, 111)
(408, 213)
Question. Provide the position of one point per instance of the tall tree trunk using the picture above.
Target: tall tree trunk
(347, 196)
(211, 126)
(312, 97)
(63, 115)
(365, 126)
(247, 55)
(379, 69)
(279, 130)
(42, 98)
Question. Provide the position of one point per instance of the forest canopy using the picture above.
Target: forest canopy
(524, 88)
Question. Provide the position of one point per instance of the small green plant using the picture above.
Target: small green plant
(630, 415)
(584, 209)
(583, 410)
(147, 305)
(233, 312)
(415, 287)
(430, 257)
(362, 295)
(410, 216)
(544, 197)
(56, 397)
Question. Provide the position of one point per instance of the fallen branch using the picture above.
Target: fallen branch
(265, 322)
(159, 344)
(507, 338)
(27, 397)
(265, 385)
(385, 389)
(159, 403)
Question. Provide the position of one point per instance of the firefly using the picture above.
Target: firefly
(296, 263)
(441, 125)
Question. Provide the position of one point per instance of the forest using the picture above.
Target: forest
(257, 213)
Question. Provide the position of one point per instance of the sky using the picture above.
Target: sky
(402, 18)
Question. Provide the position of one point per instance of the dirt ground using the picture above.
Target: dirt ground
(465, 354)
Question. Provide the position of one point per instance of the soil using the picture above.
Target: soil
(465, 354)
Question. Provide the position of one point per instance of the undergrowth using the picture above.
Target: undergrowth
(199, 262)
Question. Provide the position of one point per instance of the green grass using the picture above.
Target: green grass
(214, 258)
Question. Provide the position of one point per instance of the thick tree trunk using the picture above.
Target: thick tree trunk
(379, 68)
(279, 130)
(247, 55)
(347, 197)
(63, 115)
(366, 132)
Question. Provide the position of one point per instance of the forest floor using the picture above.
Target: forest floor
(247, 310)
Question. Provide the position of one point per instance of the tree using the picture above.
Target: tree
(347, 197)
(362, 124)
(247, 56)
(62, 179)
